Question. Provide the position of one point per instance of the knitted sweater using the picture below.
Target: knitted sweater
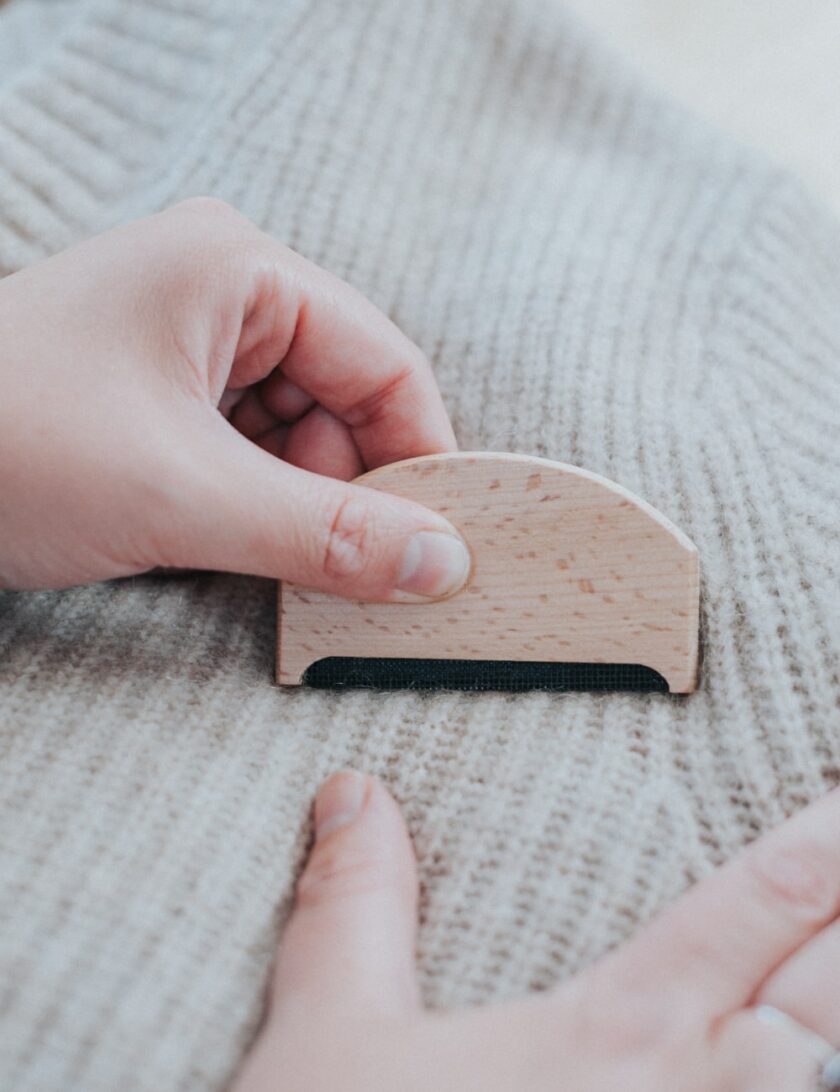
(598, 279)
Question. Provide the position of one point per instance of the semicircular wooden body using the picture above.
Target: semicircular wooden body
(568, 567)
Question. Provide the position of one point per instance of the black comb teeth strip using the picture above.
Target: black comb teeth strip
(346, 672)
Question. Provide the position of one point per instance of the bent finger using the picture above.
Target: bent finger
(340, 349)
(718, 943)
(807, 985)
(284, 399)
(756, 1054)
(322, 444)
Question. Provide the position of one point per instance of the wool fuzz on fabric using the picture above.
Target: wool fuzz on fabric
(598, 279)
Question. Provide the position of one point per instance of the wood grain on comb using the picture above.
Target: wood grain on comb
(568, 568)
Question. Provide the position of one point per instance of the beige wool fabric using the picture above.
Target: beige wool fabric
(598, 279)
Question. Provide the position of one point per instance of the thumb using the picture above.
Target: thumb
(349, 946)
(243, 510)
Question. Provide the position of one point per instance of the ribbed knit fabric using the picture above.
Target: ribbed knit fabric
(598, 279)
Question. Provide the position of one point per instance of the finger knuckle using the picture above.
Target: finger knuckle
(375, 407)
(797, 880)
(212, 233)
(204, 245)
(335, 872)
(349, 539)
(211, 210)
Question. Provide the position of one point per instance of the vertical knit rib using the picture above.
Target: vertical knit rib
(598, 279)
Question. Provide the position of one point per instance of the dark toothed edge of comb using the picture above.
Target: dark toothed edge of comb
(345, 672)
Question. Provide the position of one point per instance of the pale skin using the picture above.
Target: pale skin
(185, 391)
(117, 356)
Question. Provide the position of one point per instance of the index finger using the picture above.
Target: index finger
(350, 357)
(718, 943)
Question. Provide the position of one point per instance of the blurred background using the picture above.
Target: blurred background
(768, 71)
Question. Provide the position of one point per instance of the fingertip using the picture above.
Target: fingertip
(339, 801)
(349, 944)
(349, 796)
(323, 445)
(435, 565)
(357, 819)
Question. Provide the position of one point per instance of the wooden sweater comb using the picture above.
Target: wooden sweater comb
(576, 584)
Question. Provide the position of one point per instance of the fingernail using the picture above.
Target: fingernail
(435, 564)
(338, 802)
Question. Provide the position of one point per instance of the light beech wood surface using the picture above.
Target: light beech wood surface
(568, 567)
